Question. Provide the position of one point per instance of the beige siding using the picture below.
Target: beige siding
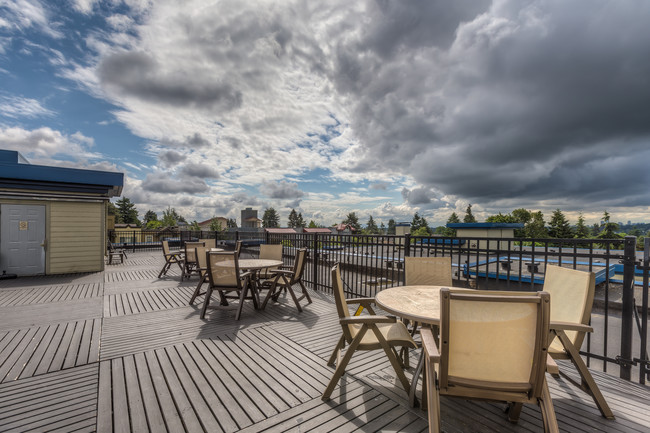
(76, 239)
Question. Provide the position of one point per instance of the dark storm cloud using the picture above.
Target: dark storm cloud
(170, 158)
(195, 141)
(162, 184)
(281, 190)
(202, 171)
(515, 101)
(138, 74)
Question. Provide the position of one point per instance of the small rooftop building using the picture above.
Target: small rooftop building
(485, 230)
(53, 219)
(249, 219)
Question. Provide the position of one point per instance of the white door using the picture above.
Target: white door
(22, 239)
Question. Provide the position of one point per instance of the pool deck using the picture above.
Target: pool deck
(121, 350)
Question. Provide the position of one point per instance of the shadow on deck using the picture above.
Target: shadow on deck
(122, 351)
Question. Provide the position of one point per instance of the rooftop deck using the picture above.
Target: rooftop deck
(122, 351)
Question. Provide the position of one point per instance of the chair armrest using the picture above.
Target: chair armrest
(246, 274)
(281, 272)
(569, 326)
(362, 301)
(367, 320)
(429, 345)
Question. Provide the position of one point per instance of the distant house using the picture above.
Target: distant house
(127, 233)
(280, 230)
(53, 219)
(344, 229)
(205, 225)
(323, 230)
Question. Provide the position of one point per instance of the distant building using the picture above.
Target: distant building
(249, 219)
(278, 230)
(205, 225)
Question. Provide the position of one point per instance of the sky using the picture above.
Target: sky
(383, 108)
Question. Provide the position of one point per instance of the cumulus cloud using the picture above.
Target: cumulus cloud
(170, 158)
(160, 182)
(203, 171)
(46, 143)
(281, 190)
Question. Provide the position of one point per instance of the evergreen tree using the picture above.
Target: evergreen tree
(391, 227)
(150, 216)
(417, 223)
(559, 226)
(453, 219)
(469, 217)
(609, 229)
(293, 219)
(231, 223)
(353, 221)
(582, 231)
(126, 211)
(171, 218)
(300, 221)
(371, 227)
(194, 226)
(271, 219)
(312, 224)
(595, 230)
(382, 228)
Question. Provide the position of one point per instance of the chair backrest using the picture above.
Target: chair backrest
(299, 265)
(165, 247)
(493, 342)
(339, 297)
(429, 271)
(572, 298)
(271, 251)
(189, 251)
(238, 248)
(201, 259)
(223, 269)
(209, 243)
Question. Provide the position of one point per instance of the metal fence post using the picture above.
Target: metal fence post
(627, 319)
(314, 255)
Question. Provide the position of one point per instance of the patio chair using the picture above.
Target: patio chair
(115, 252)
(368, 332)
(224, 277)
(238, 245)
(285, 278)
(271, 252)
(209, 243)
(428, 271)
(493, 346)
(170, 259)
(572, 298)
(190, 264)
(202, 269)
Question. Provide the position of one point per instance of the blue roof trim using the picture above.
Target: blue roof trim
(485, 225)
(17, 175)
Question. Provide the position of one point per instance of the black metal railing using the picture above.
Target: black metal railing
(370, 263)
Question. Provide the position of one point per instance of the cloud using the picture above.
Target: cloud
(47, 144)
(159, 182)
(281, 190)
(170, 158)
(203, 171)
(139, 74)
(18, 107)
(23, 15)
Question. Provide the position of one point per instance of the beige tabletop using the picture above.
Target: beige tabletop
(254, 264)
(217, 250)
(417, 303)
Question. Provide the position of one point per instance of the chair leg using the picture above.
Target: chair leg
(206, 301)
(514, 411)
(293, 296)
(304, 290)
(164, 269)
(197, 290)
(392, 358)
(337, 349)
(433, 398)
(269, 294)
(586, 376)
(548, 412)
(340, 368)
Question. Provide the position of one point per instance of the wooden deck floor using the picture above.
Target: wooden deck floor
(121, 350)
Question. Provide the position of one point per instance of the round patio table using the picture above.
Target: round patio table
(418, 303)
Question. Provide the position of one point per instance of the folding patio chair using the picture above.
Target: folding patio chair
(492, 346)
(190, 264)
(285, 279)
(368, 332)
(572, 298)
(224, 277)
(202, 269)
(170, 259)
